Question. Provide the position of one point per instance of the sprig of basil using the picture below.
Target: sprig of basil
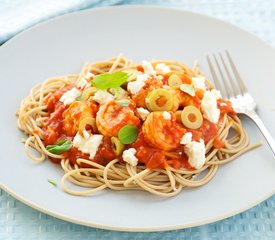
(128, 134)
(110, 80)
(60, 147)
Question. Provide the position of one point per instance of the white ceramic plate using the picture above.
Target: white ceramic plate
(62, 45)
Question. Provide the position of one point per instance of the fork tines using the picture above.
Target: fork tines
(227, 86)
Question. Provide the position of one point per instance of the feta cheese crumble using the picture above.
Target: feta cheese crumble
(142, 77)
(209, 107)
(143, 113)
(186, 138)
(135, 86)
(88, 144)
(89, 75)
(103, 96)
(196, 153)
(216, 93)
(166, 115)
(82, 83)
(159, 77)
(148, 68)
(129, 156)
(70, 96)
(162, 68)
(199, 83)
(86, 134)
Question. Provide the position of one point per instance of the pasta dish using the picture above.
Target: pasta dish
(159, 126)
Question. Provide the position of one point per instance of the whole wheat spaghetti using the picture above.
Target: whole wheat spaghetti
(158, 126)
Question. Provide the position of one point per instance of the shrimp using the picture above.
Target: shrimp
(111, 118)
(184, 99)
(162, 133)
(74, 114)
(140, 97)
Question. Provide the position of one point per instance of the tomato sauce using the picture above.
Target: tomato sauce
(54, 98)
(53, 127)
(73, 154)
(225, 107)
(105, 153)
(156, 159)
(140, 68)
(180, 162)
(218, 143)
(103, 156)
(151, 157)
(207, 131)
(63, 123)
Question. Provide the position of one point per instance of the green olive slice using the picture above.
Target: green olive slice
(174, 80)
(118, 146)
(160, 100)
(178, 115)
(191, 117)
(87, 121)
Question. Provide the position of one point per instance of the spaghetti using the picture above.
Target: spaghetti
(157, 127)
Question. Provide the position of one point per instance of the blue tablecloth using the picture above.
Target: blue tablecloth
(18, 221)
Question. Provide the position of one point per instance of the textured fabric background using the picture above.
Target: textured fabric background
(18, 221)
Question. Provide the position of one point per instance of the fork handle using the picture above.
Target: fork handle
(256, 119)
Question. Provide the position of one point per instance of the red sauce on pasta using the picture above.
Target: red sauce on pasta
(64, 122)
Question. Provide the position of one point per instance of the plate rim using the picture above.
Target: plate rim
(136, 6)
(131, 229)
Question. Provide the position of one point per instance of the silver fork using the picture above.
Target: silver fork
(242, 101)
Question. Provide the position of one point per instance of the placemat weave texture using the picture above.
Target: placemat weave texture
(18, 221)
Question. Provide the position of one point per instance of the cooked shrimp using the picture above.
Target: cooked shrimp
(111, 118)
(140, 97)
(74, 114)
(184, 99)
(161, 132)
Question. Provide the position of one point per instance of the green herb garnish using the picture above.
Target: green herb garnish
(128, 134)
(123, 102)
(60, 147)
(118, 92)
(79, 98)
(52, 182)
(189, 89)
(110, 80)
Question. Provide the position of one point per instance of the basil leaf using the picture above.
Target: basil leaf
(79, 98)
(52, 182)
(189, 89)
(119, 92)
(123, 102)
(110, 80)
(128, 134)
(60, 147)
